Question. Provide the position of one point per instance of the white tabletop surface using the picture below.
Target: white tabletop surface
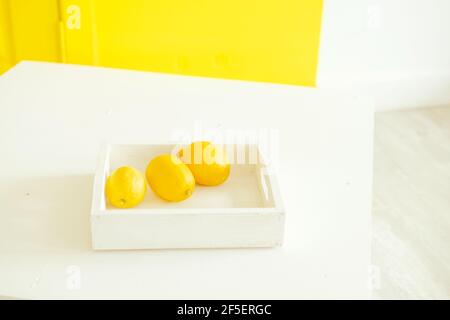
(53, 119)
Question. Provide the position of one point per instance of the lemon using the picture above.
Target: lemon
(125, 187)
(170, 178)
(208, 162)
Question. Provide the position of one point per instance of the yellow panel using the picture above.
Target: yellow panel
(262, 40)
(34, 29)
(6, 49)
(77, 36)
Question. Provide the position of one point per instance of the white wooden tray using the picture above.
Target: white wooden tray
(245, 211)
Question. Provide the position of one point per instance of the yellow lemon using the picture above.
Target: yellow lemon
(125, 187)
(170, 178)
(208, 162)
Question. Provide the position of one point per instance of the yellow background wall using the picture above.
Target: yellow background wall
(6, 53)
(261, 40)
(28, 31)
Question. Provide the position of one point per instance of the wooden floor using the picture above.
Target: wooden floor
(411, 204)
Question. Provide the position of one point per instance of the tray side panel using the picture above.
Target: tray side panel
(158, 231)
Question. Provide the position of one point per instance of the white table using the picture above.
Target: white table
(53, 119)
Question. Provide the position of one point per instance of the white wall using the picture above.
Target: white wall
(397, 51)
